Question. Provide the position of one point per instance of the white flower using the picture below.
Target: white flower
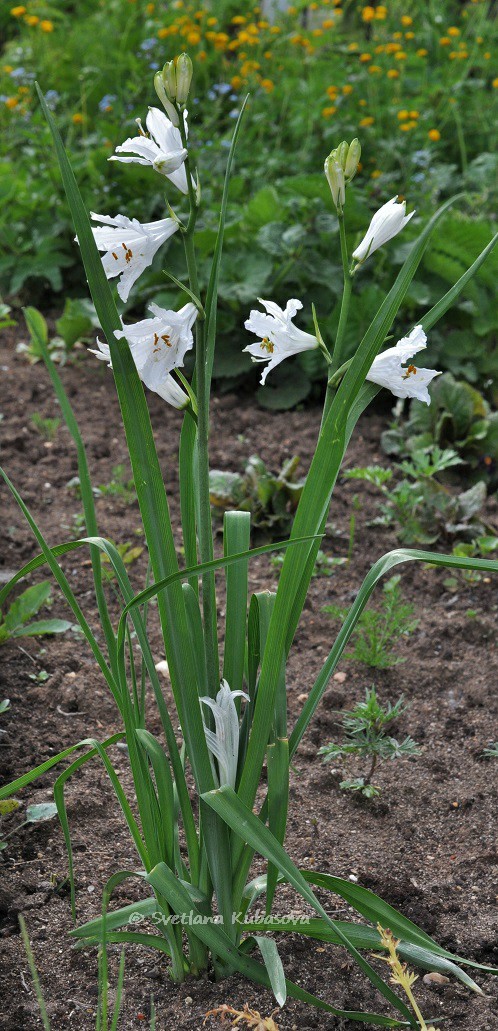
(387, 368)
(130, 246)
(279, 338)
(160, 147)
(224, 741)
(387, 222)
(158, 345)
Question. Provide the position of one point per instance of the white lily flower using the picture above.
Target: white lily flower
(161, 146)
(158, 345)
(130, 246)
(279, 338)
(387, 222)
(387, 368)
(224, 741)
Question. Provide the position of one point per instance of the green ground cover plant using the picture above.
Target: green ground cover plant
(230, 702)
(379, 630)
(365, 736)
(420, 83)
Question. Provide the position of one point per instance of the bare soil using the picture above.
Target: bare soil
(427, 845)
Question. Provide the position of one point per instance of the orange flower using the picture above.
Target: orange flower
(375, 174)
(406, 20)
(444, 41)
(46, 25)
(236, 82)
(422, 52)
(347, 89)
(78, 118)
(434, 134)
(403, 115)
(364, 122)
(193, 38)
(453, 31)
(365, 57)
(393, 73)
(11, 102)
(267, 85)
(495, 83)
(328, 23)
(368, 13)
(400, 56)
(17, 12)
(381, 13)
(327, 112)
(31, 20)
(409, 35)
(375, 69)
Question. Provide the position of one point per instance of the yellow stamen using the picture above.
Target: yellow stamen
(266, 345)
(128, 253)
(411, 371)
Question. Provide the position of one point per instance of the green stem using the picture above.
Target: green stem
(343, 320)
(205, 529)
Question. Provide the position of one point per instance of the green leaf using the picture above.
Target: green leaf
(40, 813)
(27, 605)
(263, 207)
(42, 627)
(273, 963)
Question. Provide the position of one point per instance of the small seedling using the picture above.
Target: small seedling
(491, 753)
(34, 814)
(47, 428)
(365, 736)
(325, 565)
(39, 678)
(400, 974)
(15, 622)
(120, 486)
(271, 499)
(378, 632)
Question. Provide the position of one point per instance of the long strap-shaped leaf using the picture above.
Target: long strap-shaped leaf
(219, 943)
(226, 803)
(383, 566)
(313, 507)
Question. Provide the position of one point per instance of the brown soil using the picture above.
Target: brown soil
(427, 845)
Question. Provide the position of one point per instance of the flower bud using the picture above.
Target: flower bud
(335, 179)
(170, 109)
(169, 79)
(184, 72)
(352, 160)
(340, 154)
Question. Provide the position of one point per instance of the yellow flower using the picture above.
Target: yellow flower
(238, 19)
(31, 20)
(434, 134)
(495, 83)
(17, 12)
(328, 23)
(453, 31)
(317, 32)
(193, 38)
(150, 8)
(46, 25)
(392, 48)
(7, 68)
(422, 52)
(332, 92)
(364, 122)
(263, 24)
(380, 49)
(444, 41)
(375, 174)
(275, 29)
(409, 35)
(23, 91)
(368, 13)
(11, 102)
(406, 20)
(268, 55)
(479, 39)
(393, 73)
(201, 56)
(162, 33)
(397, 35)
(403, 115)
(77, 118)
(362, 103)
(365, 57)
(236, 82)
(406, 126)
(381, 13)
(352, 46)
(414, 114)
(400, 56)
(347, 89)
(327, 112)
(267, 85)
(375, 69)
(487, 55)
(213, 21)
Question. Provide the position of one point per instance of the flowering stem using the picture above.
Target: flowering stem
(335, 365)
(205, 531)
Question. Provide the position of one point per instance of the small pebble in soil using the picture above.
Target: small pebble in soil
(435, 978)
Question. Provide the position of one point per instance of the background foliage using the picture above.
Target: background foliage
(418, 83)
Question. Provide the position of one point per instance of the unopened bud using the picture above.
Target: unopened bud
(340, 154)
(352, 160)
(184, 72)
(170, 108)
(169, 79)
(335, 179)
